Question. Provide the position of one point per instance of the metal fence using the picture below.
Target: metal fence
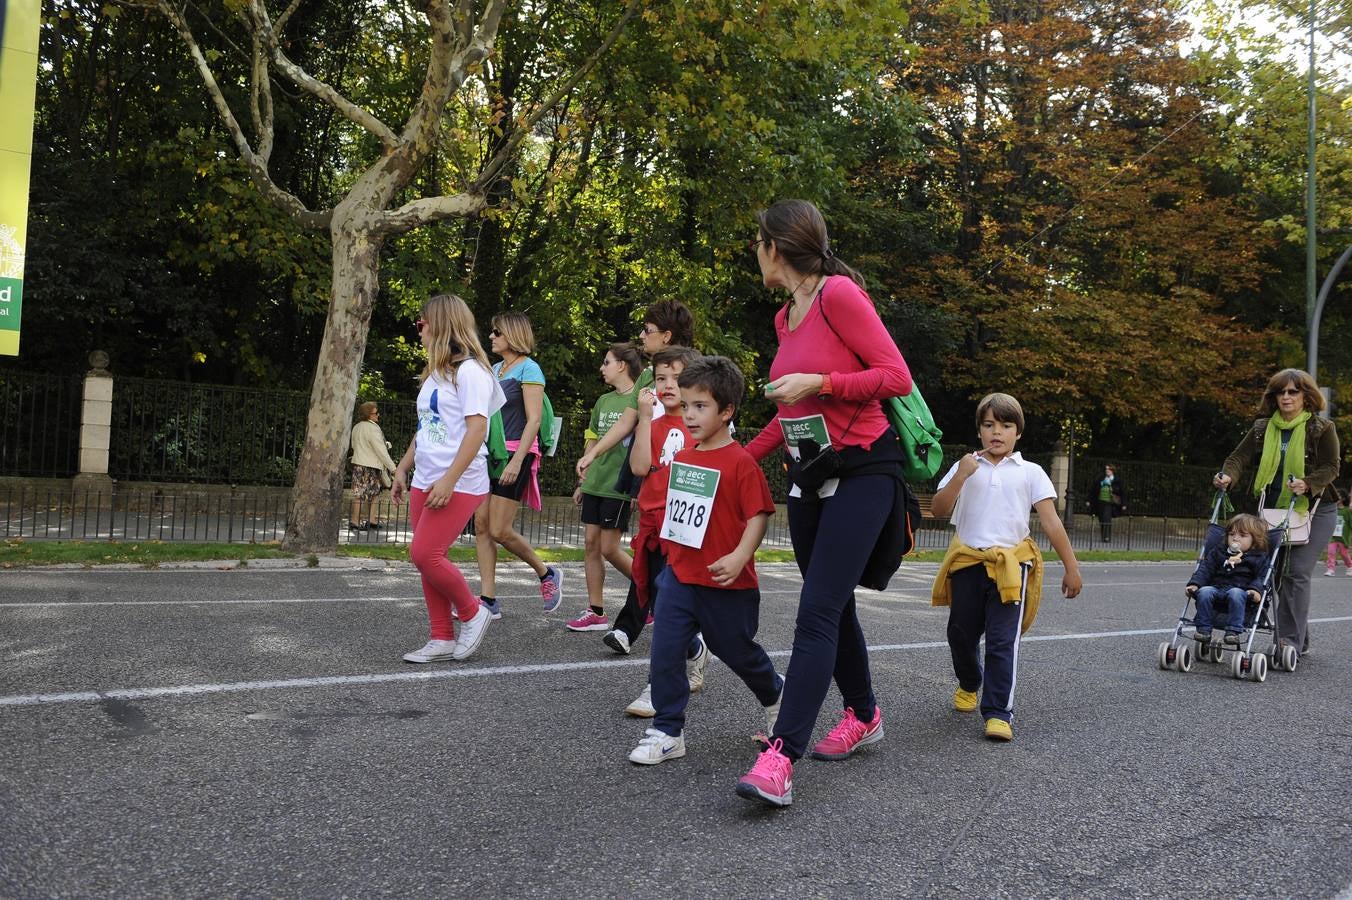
(40, 424)
(260, 516)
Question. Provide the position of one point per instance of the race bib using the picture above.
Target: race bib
(690, 503)
(808, 428)
(1338, 527)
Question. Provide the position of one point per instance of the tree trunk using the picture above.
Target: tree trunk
(316, 499)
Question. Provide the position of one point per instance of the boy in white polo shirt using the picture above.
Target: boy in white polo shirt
(991, 576)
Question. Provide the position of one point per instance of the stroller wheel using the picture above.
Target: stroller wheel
(1237, 665)
(1164, 656)
(1289, 658)
(1260, 668)
(1183, 658)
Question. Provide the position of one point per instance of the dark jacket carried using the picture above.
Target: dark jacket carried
(897, 536)
(1220, 569)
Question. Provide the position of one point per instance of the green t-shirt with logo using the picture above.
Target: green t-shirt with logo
(603, 473)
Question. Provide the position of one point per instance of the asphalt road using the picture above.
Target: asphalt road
(251, 733)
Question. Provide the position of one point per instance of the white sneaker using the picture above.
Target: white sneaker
(694, 668)
(472, 633)
(617, 640)
(1328, 573)
(432, 651)
(657, 747)
(772, 714)
(642, 707)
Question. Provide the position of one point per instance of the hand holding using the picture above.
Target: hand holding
(1298, 486)
(790, 389)
(1190, 590)
(1221, 481)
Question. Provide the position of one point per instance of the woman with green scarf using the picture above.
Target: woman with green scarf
(1298, 455)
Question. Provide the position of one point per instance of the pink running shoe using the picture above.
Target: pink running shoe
(849, 736)
(589, 621)
(649, 620)
(770, 779)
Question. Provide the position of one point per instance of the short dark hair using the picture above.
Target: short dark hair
(673, 316)
(719, 376)
(1002, 408)
(627, 353)
(674, 354)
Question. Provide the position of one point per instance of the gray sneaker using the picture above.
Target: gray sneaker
(694, 668)
(617, 640)
(472, 634)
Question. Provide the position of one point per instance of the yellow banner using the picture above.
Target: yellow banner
(18, 85)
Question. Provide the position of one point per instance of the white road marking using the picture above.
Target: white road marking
(488, 671)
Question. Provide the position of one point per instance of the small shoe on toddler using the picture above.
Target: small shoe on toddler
(1328, 573)
(999, 730)
(1234, 637)
(1202, 634)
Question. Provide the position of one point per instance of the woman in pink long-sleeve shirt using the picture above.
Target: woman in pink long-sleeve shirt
(836, 362)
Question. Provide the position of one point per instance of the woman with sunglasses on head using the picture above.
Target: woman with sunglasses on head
(523, 384)
(1298, 456)
(835, 363)
(449, 459)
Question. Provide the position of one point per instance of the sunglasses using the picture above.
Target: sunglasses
(752, 245)
(495, 333)
(1290, 392)
(420, 325)
(648, 329)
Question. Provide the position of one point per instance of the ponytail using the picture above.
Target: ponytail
(798, 231)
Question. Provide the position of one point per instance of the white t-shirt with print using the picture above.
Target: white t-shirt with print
(442, 408)
(997, 500)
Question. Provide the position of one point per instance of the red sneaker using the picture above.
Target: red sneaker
(770, 779)
(849, 736)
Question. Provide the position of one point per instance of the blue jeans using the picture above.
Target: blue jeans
(1207, 599)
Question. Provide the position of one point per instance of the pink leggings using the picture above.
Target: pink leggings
(434, 530)
(1339, 551)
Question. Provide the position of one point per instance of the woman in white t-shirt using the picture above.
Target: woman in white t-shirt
(450, 471)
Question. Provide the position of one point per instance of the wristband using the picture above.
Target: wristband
(825, 390)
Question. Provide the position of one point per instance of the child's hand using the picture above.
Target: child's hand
(1071, 584)
(967, 465)
(646, 399)
(582, 464)
(577, 496)
(1190, 590)
(726, 570)
(1255, 596)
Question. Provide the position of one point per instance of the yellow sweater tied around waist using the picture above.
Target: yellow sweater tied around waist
(1003, 565)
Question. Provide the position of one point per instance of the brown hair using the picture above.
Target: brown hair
(719, 376)
(628, 354)
(1002, 408)
(674, 354)
(798, 231)
(515, 329)
(1314, 401)
(367, 410)
(673, 316)
(1253, 526)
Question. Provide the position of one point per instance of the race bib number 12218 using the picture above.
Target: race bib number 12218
(690, 503)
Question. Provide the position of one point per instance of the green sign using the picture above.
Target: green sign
(18, 84)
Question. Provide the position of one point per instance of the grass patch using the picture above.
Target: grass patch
(18, 552)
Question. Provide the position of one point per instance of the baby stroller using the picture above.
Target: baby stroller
(1179, 652)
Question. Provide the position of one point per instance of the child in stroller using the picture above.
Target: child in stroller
(1228, 577)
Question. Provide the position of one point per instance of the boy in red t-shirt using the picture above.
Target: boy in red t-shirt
(716, 507)
(657, 438)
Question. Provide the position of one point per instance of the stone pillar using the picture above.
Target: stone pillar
(1060, 475)
(96, 419)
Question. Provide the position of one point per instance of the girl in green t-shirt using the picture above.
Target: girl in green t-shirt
(605, 510)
